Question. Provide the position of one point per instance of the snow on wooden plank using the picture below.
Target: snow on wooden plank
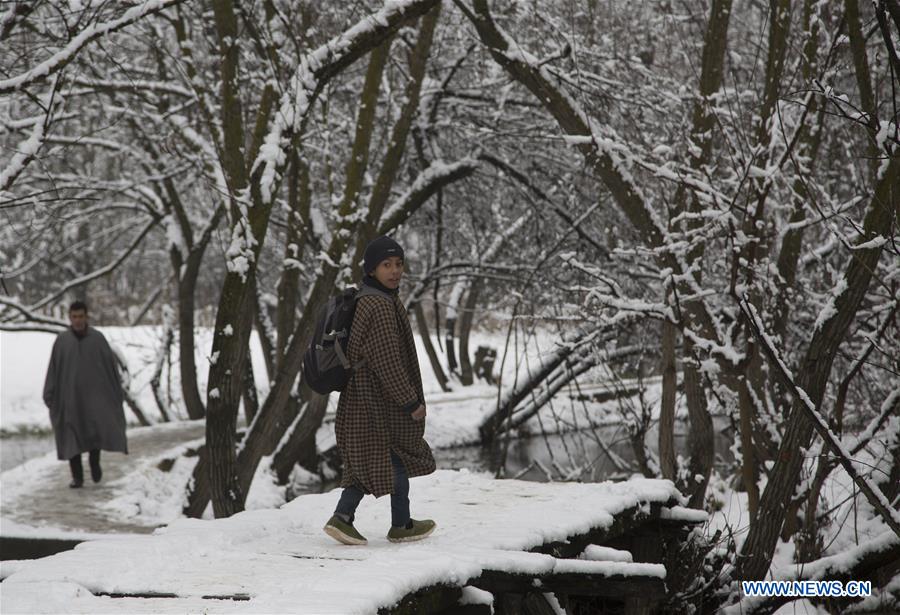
(279, 560)
(597, 553)
(518, 572)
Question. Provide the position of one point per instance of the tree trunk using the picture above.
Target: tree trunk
(493, 424)
(465, 327)
(266, 332)
(300, 445)
(168, 336)
(226, 386)
(667, 459)
(234, 313)
(449, 343)
(187, 364)
(130, 401)
(808, 151)
(299, 197)
(249, 394)
(436, 367)
(701, 441)
(277, 413)
(747, 407)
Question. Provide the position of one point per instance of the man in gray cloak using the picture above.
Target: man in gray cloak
(84, 395)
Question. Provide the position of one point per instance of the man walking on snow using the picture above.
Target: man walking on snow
(380, 420)
(84, 395)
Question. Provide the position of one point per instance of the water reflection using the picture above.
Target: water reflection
(588, 455)
(19, 448)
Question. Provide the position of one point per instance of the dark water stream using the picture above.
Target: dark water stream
(588, 455)
(17, 449)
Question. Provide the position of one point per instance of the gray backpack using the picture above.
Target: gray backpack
(325, 364)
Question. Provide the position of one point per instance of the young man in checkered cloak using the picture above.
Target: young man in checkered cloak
(380, 420)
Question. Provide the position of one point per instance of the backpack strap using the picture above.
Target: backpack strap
(340, 351)
(364, 290)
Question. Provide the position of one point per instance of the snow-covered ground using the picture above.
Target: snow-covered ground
(283, 562)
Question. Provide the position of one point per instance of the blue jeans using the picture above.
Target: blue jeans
(353, 495)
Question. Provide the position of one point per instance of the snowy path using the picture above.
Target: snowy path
(36, 493)
(279, 560)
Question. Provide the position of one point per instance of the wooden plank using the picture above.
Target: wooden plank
(618, 587)
(431, 599)
(624, 523)
(28, 547)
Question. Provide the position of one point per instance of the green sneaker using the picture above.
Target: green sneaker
(418, 531)
(344, 532)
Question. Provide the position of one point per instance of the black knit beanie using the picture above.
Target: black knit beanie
(379, 249)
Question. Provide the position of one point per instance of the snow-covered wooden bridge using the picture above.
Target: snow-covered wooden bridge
(521, 545)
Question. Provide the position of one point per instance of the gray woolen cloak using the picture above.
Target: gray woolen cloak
(84, 395)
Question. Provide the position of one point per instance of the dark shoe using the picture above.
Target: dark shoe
(77, 472)
(344, 532)
(414, 530)
(96, 472)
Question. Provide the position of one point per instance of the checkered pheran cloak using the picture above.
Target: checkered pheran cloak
(372, 416)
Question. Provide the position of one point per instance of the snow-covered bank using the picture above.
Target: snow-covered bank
(282, 562)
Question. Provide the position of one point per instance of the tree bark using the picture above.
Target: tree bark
(265, 330)
(300, 444)
(465, 327)
(249, 394)
(667, 459)
(701, 439)
(424, 335)
(747, 408)
(298, 223)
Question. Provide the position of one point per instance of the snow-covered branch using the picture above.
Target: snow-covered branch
(94, 31)
(314, 71)
(436, 176)
(27, 149)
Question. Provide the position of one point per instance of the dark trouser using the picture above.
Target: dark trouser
(78, 470)
(353, 495)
